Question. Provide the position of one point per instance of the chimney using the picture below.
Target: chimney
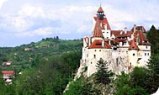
(125, 30)
(134, 28)
(102, 43)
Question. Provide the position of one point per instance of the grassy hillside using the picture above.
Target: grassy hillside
(44, 65)
(24, 56)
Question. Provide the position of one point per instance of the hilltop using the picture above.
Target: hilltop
(24, 56)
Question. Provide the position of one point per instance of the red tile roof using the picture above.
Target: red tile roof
(115, 32)
(97, 30)
(103, 22)
(98, 44)
(139, 35)
(106, 23)
(133, 45)
(107, 46)
(138, 28)
(8, 72)
(129, 33)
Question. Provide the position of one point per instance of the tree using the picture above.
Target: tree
(153, 66)
(153, 37)
(141, 78)
(123, 86)
(103, 75)
(75, 88)
(81, 87)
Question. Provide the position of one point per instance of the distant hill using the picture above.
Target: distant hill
(24, 56)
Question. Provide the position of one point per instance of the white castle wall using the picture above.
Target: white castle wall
(144, 55)
(119, 60)
(94, 55)
(133, 56)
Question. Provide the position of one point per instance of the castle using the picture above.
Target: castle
(121, 49)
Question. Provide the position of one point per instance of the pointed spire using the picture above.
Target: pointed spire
(100, 10)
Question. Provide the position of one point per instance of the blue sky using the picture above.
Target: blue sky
(24, 21)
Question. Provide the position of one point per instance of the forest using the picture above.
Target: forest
(46, 66)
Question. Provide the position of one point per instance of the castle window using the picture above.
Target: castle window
(91, 62)
(114, 48)
(146, 47)
(95, 50)
(133, 54)
(145, 54)
(85, 69)
(94, 56)
(148, 54)
(100, 50)
(87, 55)
(107, 32)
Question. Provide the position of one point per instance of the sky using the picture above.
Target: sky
(26, 21)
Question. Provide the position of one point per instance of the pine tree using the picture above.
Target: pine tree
(153, 66)
(153, 37)
(103, 75)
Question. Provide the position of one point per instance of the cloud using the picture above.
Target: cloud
(2, 2)
(31, 11)
(32, 19)
(43, 31)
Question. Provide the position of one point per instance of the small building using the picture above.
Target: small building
(7, 76)
(8, 63)
(28, 49)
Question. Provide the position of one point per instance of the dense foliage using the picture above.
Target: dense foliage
(103, 75)
(141, 81)
(81, 87)
(153, 37)
(46, 66)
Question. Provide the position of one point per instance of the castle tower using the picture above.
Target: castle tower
(104, 24)
(133, 53)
